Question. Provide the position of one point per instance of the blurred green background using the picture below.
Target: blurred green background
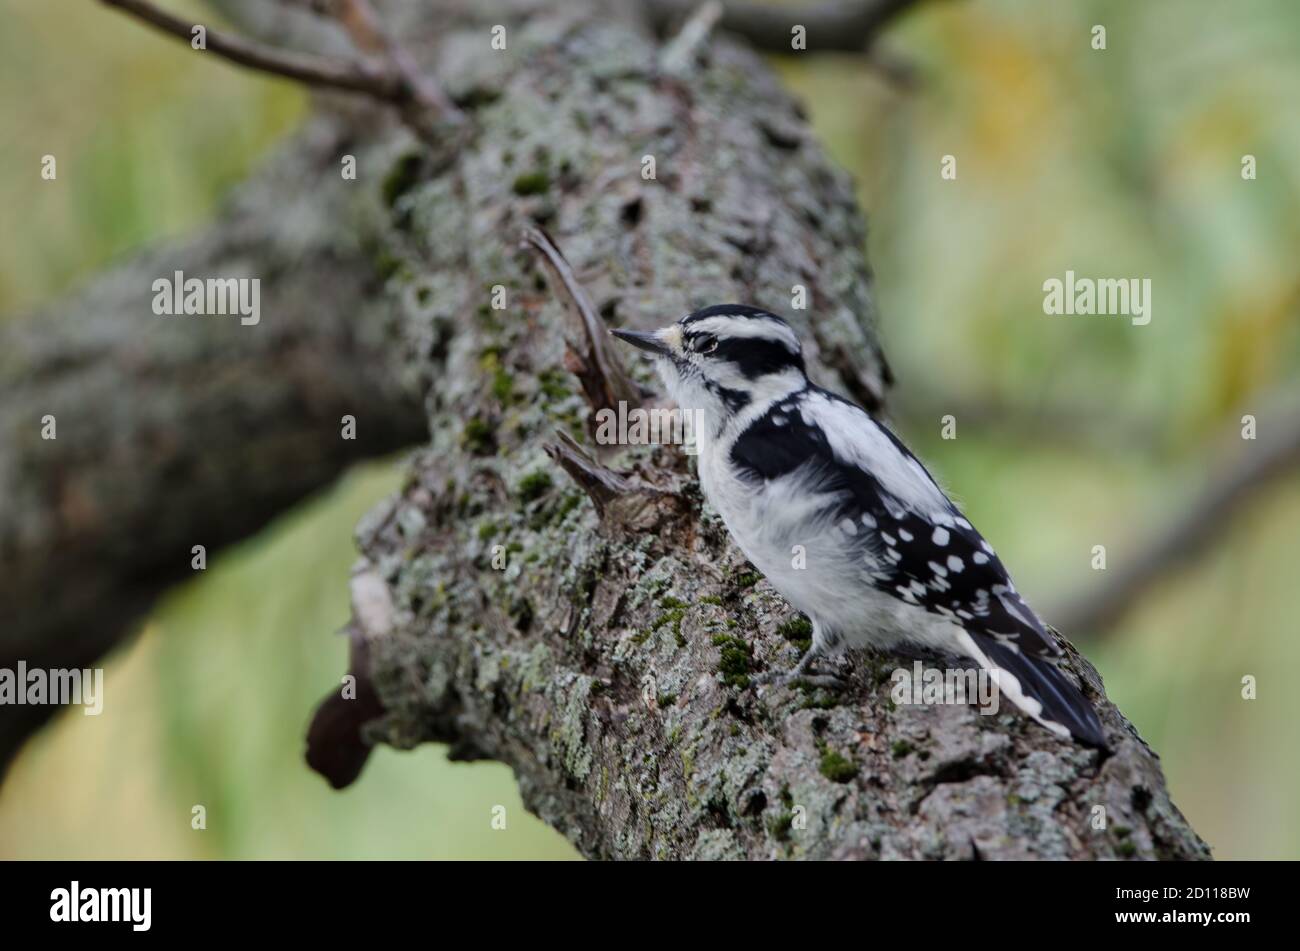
(1117, 163)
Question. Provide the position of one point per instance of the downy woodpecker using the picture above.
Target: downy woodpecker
(887, 559)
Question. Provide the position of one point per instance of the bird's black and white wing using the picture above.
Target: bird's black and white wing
(921, 550)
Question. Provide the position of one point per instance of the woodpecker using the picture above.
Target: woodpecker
(888, 560)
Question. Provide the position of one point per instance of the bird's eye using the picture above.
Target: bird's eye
(708, 345)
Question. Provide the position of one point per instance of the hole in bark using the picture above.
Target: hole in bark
(476, 97)
(785, 138)
(632, 212)
(403, 175)
(962, 770)
(521, 612)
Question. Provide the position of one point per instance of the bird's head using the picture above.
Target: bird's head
(722, 359)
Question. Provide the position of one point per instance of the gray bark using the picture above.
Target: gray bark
(610, 662)
(172, 432)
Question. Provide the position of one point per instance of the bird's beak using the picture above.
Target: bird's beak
(650, 342)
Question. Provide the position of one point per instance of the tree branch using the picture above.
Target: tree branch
(1260, 463)
(600, 636)
(846, 26)
(374, 79)
(677, 52)
(176, 431)
(369, 35)
(603, 377)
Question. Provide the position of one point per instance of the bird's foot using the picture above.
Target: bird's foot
(802, 673)
(828, 681)
(789, 678)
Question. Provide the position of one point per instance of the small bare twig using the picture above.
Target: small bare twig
(379, 80)
(602, 484)
(361, 22)
(1276, 451)
(846, 26)
(629, 503)
(601, 373)
(677, 53)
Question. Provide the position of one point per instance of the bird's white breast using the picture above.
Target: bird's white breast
(819, 563)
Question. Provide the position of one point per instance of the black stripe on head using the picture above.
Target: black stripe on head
(728, 310)
(769, 346)
(756, 356)
(735, 400)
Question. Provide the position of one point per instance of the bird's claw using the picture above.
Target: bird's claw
(791, 677)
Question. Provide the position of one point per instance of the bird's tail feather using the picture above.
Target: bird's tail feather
(1038, 687)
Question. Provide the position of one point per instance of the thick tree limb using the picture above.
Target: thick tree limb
(1259, 463)
(600, 637)
(180, 431)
